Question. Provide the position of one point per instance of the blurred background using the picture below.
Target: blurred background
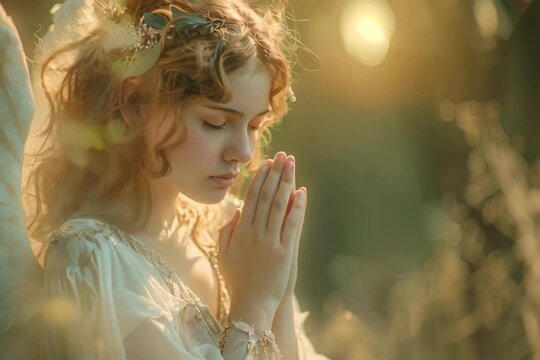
(415, 132)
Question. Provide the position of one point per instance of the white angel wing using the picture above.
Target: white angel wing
(19, 272)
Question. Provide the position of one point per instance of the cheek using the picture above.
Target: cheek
(196, 150)
(201, 143)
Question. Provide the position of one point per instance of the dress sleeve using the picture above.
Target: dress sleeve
(91, 303)
(103, 302)
(306, 351)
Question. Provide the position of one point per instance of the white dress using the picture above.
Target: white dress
(100, 293)
(117, 293)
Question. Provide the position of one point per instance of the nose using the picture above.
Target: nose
(239, 148)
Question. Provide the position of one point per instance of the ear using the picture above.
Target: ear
(129, 86)
(129, 95)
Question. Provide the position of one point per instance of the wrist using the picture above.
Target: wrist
(286, 303)
(284, 311)
(259, 317)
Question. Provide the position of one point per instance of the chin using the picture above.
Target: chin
(208, 197)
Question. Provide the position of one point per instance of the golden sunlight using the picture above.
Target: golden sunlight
(366, 29)
(59, 312)
(492, 19)
(485, 14)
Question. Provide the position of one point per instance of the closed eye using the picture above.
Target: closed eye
(213, 127)
(222, 127)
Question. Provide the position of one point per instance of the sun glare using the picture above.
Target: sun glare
(366, 28)
(371, 31)
(485, 14)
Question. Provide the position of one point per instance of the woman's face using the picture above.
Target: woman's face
(219, 137)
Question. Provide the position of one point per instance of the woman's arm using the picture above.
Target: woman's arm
(285, 329)
(289, 329)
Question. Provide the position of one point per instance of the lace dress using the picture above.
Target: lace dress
(120, 301)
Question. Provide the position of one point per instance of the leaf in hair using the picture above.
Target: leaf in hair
(157, 21)
(177, 13)
(185, 21)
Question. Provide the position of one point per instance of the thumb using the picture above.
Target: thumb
(226, 231)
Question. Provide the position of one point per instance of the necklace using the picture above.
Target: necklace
(223, 298)
(189, 216)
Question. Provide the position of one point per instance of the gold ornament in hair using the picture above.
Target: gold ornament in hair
(177, 20)
(146, 40)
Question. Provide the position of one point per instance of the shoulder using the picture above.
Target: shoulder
(80, 227)
(80, 238)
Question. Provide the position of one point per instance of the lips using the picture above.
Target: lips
(224, 180)
(228, 176)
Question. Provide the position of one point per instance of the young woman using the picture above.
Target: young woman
(157, 109)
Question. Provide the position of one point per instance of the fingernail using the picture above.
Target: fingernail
(280, 161)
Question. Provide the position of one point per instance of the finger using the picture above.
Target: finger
(291, 198)
(301, 225)
(225, 233)
(279, 204)
(294, 221)
(252, 196)
(268, 191)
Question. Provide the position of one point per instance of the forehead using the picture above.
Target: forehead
(250, 88)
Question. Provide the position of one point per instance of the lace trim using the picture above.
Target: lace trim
(173, 282)
(258, 345)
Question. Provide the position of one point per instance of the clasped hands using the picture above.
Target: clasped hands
(259, 246)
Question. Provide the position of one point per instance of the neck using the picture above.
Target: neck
(163, 216)
(162, 222)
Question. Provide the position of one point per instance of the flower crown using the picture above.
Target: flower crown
(141, 48)
(134, 49)
(161, 23)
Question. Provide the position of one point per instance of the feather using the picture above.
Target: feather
(19, 271)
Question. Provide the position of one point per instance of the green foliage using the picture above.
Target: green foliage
(183, 22)
(157, 21)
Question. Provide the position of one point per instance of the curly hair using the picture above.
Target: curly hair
(96, 131)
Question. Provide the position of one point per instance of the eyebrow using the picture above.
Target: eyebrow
(233, 111)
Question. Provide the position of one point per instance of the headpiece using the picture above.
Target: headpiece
(136, 48)
(160, 23)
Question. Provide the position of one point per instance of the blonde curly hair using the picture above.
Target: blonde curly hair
(96, 132)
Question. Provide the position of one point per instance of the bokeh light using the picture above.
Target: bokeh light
(366, 28)
(485, 13)
(59, 312)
